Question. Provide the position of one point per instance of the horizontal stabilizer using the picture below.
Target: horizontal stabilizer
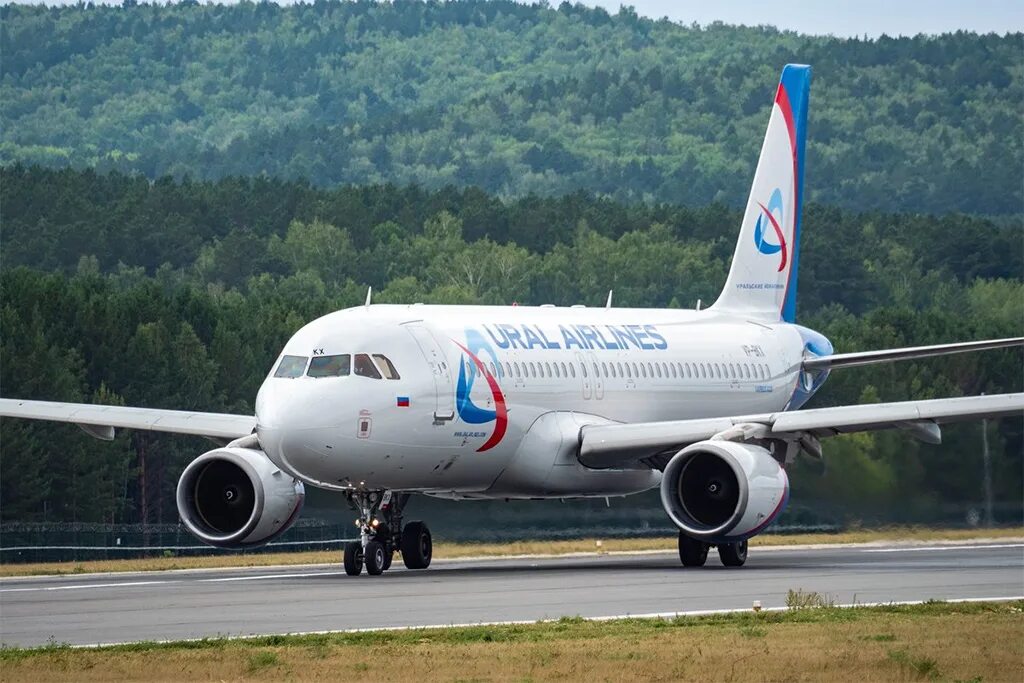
(845, 360)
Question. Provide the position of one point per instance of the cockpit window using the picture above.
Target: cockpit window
(364, 367)
(291, 366)
(387, 368)
(329, 366)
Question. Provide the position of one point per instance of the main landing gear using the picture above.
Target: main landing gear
(381, 534)
(694, 553)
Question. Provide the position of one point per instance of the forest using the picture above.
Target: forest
(512, 98)
(180, 294)
(184, 185)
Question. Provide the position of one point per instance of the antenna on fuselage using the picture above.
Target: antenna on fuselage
(698, 304)
(369, 295)
(608, 304)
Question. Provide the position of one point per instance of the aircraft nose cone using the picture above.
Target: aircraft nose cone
(298, 404)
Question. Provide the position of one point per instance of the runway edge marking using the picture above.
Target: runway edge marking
(527, 622)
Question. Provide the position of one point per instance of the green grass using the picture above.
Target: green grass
(934, 641)
(566, 627)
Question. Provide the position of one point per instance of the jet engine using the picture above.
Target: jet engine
(723, 491)
(237, 498)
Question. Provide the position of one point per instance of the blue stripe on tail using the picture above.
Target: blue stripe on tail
(796, 81)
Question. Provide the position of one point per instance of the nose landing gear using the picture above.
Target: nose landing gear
(381, 534)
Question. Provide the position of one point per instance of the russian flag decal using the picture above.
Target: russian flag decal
(402, 401)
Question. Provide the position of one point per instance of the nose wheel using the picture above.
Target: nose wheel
(382, 534)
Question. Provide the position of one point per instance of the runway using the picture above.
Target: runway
(111, 608)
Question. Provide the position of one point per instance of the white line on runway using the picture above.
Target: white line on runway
(260, 577)
(526, 622)
(132, 584)
(85, 585)
(942, 547)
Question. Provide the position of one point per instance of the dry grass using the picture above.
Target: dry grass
(971, 642)
(456, 550)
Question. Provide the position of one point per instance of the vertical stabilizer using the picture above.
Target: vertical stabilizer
(762, 280)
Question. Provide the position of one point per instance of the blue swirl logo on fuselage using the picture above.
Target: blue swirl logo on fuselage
(470, 412)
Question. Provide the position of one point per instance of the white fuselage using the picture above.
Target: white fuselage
(489, 398)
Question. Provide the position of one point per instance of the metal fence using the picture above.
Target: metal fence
(76, 542)
(325, 526)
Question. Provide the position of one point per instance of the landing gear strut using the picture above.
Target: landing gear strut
(694, 552)
(381, 534)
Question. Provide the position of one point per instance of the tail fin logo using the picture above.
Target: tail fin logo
(771, 215)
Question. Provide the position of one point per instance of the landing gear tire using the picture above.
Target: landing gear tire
(733, 554)
(388, 556)
(353, 558)
(375, 557)
(417, 546)
(692, 553)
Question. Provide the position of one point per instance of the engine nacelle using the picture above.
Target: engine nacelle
(723, 491)
(237, 498)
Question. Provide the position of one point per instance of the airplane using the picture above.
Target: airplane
(379, 402)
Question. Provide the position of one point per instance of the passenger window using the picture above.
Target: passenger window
(604, 369)
(643, 370)
(387, 368)
(636, 371)
(362, 366)
(611, 366)
(533, 369)
(516, 366)
(703, 371)
(629, 375)
(291, 366)
(547, 368)
(583, 369)
(508, 368)
(572, 370)
(564, 373)
(329, 366)
(673, 367)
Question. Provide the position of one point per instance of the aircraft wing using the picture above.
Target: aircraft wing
(100, 420)
(617, 445)
(846, 360)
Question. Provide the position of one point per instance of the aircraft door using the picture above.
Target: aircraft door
(581, 364)
(444, 389)
(598, 379)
